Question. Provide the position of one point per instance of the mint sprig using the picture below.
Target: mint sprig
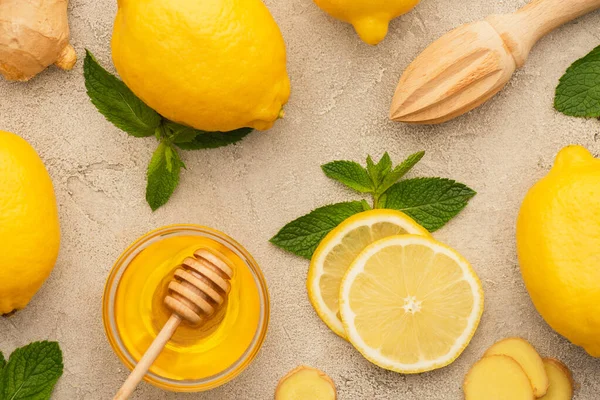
(126, 111)
(31, 372)
(578, 93)
(431, 202)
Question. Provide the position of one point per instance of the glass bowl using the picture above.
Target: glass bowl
(110, 320)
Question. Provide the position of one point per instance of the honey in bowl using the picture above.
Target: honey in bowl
(197, 357)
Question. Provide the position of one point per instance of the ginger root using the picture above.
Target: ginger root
(34, 34)
(561, 380)
(497, 377)
(528, 358)
(305, 383)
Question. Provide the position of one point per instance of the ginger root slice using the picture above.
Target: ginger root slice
(528, 358)
(497, 377)
(561, 381)
(34, 34)
(303, 383)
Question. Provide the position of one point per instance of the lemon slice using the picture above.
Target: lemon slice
(410, 304)
(339, 249)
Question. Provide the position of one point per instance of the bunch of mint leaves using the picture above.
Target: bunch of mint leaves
(431, 202)
(578, 93)
(31, 372)
(126, 111)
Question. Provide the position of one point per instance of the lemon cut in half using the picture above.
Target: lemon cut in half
(340, 247)
(410, 304)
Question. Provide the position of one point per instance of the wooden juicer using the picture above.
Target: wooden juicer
(197, 290)
(469, 65)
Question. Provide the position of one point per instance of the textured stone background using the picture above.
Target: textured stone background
(341, 90)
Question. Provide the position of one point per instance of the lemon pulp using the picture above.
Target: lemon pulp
(193, 353)
(410, 304)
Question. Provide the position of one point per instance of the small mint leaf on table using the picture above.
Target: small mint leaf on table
(163, 175)
(431, 202)
(116, 101)
(2, 362)
(578, 93)
(349, 173)
(303, 235)
(398, 172)
(187, 138)
(31, 372)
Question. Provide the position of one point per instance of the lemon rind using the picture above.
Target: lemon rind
(316, 265)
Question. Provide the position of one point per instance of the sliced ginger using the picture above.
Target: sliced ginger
(528, 358)
(497, 377)
(561, 380)
(304, 383)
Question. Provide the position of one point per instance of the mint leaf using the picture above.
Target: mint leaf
(31, 372)
(432, 202)
(2, 361)
(163, 175)
(366, 205)
(378, 171)
(578, 93)
(187, 138)
(117, 102)
(399, 171)
(349, 173)
(303, 235)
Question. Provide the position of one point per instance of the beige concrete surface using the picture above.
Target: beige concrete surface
(341, 90)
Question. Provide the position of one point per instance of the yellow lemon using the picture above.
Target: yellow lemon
(410, 304)
(370, 18)
(29, 230)
(339, 249)
(215, 65)
(558, 242)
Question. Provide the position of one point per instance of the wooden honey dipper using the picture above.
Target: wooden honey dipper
(198, 289)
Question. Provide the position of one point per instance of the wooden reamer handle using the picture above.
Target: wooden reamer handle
(522, 29)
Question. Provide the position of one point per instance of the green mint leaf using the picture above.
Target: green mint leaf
(350, 174)
(31, 372)
(181, 133)
(432, 202)
(2, 362)
(163, 175)
(303, 235)
(378, 171)
(400, 170)
(381, 201)
(187, 138)
(372, 170)
(384, 165)
(578, 93)
(117, 102)
(366, 206)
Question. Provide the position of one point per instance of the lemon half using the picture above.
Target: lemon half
(410, 304)
(339, 248)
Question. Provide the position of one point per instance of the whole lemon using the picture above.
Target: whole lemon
(370, 18)
(214, 65)
(558, 242)
(29, 229)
